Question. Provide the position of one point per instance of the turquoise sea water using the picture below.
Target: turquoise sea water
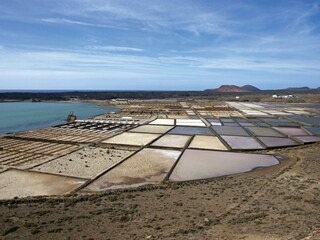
(21, 116)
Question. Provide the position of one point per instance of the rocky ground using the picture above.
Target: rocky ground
(281, 202)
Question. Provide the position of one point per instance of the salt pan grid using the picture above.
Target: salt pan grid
(149, 166)
(84, 163)
(307, 139)
(227, 120)
(312, 130)
(190, 122)
(246, 124)
(18, 183)
(214, 122)
(254, 113)
(207, 142)
(291, 131)
(233, 124)
(151, 129)
(263, 131)
(191, 131)
(280, 122)
(27, 149)
(202, 164)
(252, 105)
(241, 120)
(227, 130)
(272, 142)
(307, 120)
(100, 125)
(169, 122)
(242, 143)
(173, 117)
(25, 153)
(274, 112)
(132, 139)
(64, 135)
(299, 112)
(172, 141)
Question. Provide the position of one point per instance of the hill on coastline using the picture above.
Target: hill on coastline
(297, 89)
(234, 88)
(250, 88)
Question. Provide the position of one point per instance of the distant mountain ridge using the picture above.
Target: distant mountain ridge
(250, 88)
(297, 89)
(234, 88)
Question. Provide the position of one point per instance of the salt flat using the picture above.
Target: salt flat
(148, 166)
(17, 183)
(85, 163)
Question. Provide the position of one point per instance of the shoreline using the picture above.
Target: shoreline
(115, 109)
(93, 102)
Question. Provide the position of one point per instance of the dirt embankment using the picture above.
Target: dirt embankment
(281, 202)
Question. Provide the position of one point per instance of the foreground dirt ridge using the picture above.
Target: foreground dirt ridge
(281, 202)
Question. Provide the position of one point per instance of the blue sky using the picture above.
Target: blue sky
(158, 44)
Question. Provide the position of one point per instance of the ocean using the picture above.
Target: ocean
(22, 116)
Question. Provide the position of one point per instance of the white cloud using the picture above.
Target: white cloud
(152, 15)
(68, 21)
(115, 49)
(171, 72)
(114, 63)
(185, 39)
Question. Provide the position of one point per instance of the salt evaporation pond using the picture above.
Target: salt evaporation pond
(202, 164)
